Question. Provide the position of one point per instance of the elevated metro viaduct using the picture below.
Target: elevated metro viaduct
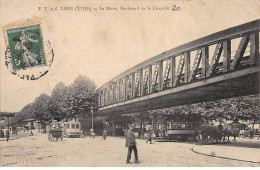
(221, 65)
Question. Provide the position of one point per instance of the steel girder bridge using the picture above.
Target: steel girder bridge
(221, 65)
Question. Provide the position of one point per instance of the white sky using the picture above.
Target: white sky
(102, 44)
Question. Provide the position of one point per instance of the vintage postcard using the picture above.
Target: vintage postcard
(129, 83)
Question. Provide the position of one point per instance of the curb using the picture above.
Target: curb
(223, 157)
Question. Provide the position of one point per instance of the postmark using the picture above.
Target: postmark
(28, 55)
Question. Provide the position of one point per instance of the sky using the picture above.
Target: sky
(102, 44)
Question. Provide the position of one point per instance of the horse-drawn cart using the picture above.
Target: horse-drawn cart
(55, 131)
(55, 134)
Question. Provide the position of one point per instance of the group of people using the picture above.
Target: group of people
(92, 133)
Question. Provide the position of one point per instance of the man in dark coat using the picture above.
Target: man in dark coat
(131, 144)
(7, 135)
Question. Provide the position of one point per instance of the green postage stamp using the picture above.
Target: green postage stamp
(26, 47)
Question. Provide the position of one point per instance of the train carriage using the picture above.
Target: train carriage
(183, 130)
(72, 129)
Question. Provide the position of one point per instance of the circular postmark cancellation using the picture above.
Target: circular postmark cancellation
(27, 55)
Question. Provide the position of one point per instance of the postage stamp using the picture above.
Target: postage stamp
(26, 47)
(28, 55)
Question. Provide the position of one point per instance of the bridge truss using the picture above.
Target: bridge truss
(221, 65)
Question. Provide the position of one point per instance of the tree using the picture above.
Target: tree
(57, 101)
(80, 96)
(25, 113)
(41, 107)
(67, 102)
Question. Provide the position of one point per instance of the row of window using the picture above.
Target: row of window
(72, 126)
(184, 126)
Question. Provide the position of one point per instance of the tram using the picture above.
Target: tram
(72, 129)
(182, 130)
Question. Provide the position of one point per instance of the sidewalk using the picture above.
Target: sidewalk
(242, 150)
(14, 137)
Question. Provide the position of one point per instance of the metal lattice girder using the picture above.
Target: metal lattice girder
(195, 65)
(215, 59)
(108, 95)
(254, 48)
(99, 99)
(179, 70)
(187, 66)
(240, 52)
(141, 83)
(226, 54)
(172, 70)
(111, 93)
(155, 77)
(167, 74)
(205, 60)
(125, 88)
(137, 84)
(160, 75)
(145, 87)
(117, 91)
(133, 85)
(128, 87)
(121, 93)
(105, 97)
(150, 78)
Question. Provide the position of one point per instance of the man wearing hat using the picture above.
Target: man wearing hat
(131, 144)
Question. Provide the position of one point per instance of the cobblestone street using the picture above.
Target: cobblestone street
(38, 151)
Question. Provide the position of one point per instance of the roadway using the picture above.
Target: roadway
(38, 151)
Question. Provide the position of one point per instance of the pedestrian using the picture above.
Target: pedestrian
(142, 133)
(251, 133)
(131, 145)
(104, 134)
(150, 133)
(81, 133)
(92, 133)
(125, 130)
(7, 135)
